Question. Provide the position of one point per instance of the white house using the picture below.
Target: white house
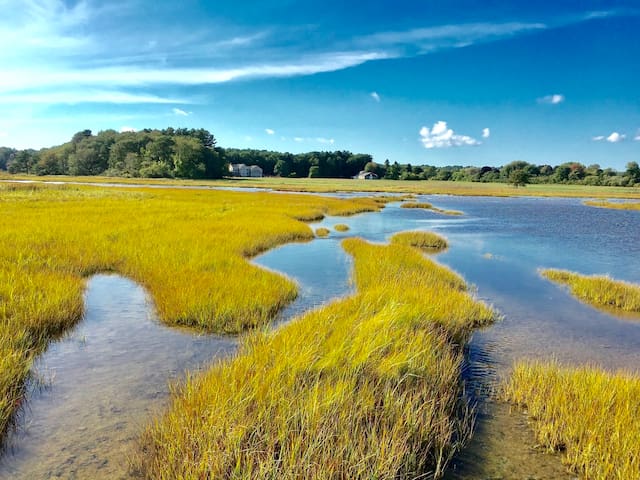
(366, 176)
(242, 170)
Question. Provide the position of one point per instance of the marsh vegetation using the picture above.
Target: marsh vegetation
(591, 416)
(599, 290)
(189, 249)
(427, 241)
(613, 205)
(366, 387)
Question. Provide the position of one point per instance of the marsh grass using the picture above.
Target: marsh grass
(599, 291)
(428, 206)
(322, 232)
(427, 241)
(189, 248)
(366, 387)
(613, 205)
(341, 227)
(590, 415)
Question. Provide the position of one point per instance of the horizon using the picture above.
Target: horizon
(441, 85)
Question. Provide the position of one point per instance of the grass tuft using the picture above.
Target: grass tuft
(428, 206)
(322, 232)
(366, 387)
(599, 291)
(428, 241)
(341, 227)
(592, 416)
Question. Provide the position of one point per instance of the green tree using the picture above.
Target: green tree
(189, 158)
(633, 173)
(519, 178)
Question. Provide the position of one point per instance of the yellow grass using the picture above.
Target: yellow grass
(322, 232)
(428, 241)
(341, 227)
(428, 206)
(613, 205)
(590, 415)
(599, 291)
(429, 187)
(189, 248)
(367, 387)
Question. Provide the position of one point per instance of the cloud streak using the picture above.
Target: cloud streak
(614, 137)
(553, 99)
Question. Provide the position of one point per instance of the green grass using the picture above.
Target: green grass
(613, 205)
(599, 291)
(189, 248)
(590, 415)
(367, 387)
(427, 241)
(429, 187)
(341, 227)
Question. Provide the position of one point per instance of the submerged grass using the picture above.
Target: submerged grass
(590, 415)
(189, 248)
(366, 387)
(613, 205)
(428, 241)
(599, 291)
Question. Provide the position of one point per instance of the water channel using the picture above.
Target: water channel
(101, 383)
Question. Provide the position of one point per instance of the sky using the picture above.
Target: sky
(459, 82)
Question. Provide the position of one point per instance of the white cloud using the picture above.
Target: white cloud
(179, 112)
(85, 96)
(375, 96)
(322, 140)
(327, 141)
(269, 131)
(486, 133)
(637, 137)
(441, 136)
(614, 137)
(298, 139)
(553, 99)
(127, 129)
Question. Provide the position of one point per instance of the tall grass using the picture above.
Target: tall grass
(427, 241)
(592, 416)
(341, 227)
(366, 387)
(599, 291)
(613, 205)
(190, 249)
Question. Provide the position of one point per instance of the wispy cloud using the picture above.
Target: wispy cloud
(269, 131)
(486, 133)
(441, 136)
(614, 137)
(320, 140)
(553, 99)
(72, 97)
(375, 96)
(637, 137)
(180, 112)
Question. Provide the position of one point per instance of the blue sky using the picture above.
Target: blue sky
(460, 82)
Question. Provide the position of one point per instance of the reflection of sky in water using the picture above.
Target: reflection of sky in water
(111, 372)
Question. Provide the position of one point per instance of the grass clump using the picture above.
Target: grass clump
(341, 227)
(428, 206)
(366, 387)
(613, 205)
(322, 232)
(428, 241)
(598, 290)
(592, 416)
(190, 249)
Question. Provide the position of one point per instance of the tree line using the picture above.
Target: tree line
(193, 153)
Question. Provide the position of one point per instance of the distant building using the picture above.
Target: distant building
(366, 176)
(242, 170)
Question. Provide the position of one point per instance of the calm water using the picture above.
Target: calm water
(107, 377)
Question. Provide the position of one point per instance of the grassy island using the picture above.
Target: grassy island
(613, 205)
(427, 241)
(599, 291)
(189, 248)
(590, 415)
(366, 387)
(428, 206)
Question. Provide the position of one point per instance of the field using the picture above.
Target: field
(592, 416)
(326, 185)
(188, 248)
(366, 387)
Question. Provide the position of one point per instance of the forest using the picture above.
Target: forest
(193, 153)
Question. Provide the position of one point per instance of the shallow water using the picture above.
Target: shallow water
(110, 374)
